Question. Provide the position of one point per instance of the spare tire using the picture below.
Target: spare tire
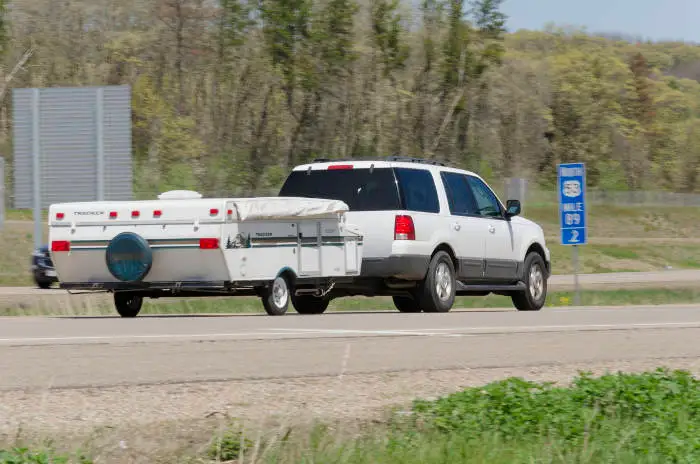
(129, 257)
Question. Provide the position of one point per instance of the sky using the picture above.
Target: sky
(648, 19)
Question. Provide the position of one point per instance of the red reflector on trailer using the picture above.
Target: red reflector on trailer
(135, 214)
(157, 213)
(213, 211)
(208, 243)
(60, 216)
(112, 214)
(338, 167)
(60, 245)
(229, 212)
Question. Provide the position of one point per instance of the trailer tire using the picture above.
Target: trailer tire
(276, 297)
(128, 304)
(309, 304)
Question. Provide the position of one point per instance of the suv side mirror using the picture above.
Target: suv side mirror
(512, 208)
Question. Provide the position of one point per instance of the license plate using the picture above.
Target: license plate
(50, 273)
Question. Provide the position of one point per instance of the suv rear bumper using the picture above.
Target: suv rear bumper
(409, 267)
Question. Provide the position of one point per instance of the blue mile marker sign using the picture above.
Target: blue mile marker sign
(572, 203)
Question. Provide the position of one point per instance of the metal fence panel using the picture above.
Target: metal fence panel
(83, 132)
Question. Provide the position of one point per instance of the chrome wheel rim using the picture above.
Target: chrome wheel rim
(536, 282)
(279, 292)
(443, 282)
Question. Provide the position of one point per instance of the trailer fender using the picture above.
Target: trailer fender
(289, 271)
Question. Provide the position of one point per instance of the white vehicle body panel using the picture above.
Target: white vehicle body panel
(257, 238)
(484, 247)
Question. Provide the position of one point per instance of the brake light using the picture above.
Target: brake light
(112, 214)
(60, 216)
(157, 213)
(135, 214)
(213, 212)
(404, 228)
(208, 243)
(60, 245)
(338, 167)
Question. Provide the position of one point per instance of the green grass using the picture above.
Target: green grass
(652, 417)
(101, 304)
(554, 299)
(594, 258)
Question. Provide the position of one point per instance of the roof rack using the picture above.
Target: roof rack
(406, 159)
(402, 159)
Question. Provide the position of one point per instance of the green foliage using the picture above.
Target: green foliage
(4, 26)
(229, 446)
(387, 34)
(21, 455)
(287, 30)
(334, 36)
(655, 413)
(255, 85)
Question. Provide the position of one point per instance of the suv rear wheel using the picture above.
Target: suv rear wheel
(437, 292)
(406, 304)
(309, 304)
(535, 279)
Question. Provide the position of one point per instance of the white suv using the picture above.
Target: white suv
(430, 233)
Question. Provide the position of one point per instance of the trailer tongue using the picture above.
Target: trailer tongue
(280, 249)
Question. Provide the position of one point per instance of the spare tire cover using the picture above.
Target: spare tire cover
(129, 258)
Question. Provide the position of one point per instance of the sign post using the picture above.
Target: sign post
(571, 185)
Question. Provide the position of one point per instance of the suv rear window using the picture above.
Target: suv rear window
(363, 190)
(360, 189)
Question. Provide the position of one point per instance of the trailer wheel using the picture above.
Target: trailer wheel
(276, 297)
(128, 304)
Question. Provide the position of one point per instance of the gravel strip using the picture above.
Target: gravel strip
(333, 398)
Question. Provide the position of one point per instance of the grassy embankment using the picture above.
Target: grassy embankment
(651, 417)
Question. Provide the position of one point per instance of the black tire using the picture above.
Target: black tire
(276, 297)
(428, 298)
(309, 304)
(406, 304)
(43, 284)
(128, 304)
(535, 295)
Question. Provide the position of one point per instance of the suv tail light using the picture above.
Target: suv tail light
(404, 228)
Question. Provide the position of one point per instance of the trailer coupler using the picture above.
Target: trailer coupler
(317, 292)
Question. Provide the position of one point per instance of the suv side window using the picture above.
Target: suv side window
(417, 188)
(459, 195)
(487, 204)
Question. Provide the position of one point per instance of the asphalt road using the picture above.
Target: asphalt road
(107, 351)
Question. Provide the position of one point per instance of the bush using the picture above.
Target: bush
(229, 446)
(651, 414)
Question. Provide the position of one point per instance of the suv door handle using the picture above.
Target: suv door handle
(492, 229)
(456, 226)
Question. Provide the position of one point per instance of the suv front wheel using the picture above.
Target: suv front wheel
(437, 292)
(535, 280)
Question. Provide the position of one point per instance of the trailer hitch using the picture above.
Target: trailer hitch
(317, 292)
